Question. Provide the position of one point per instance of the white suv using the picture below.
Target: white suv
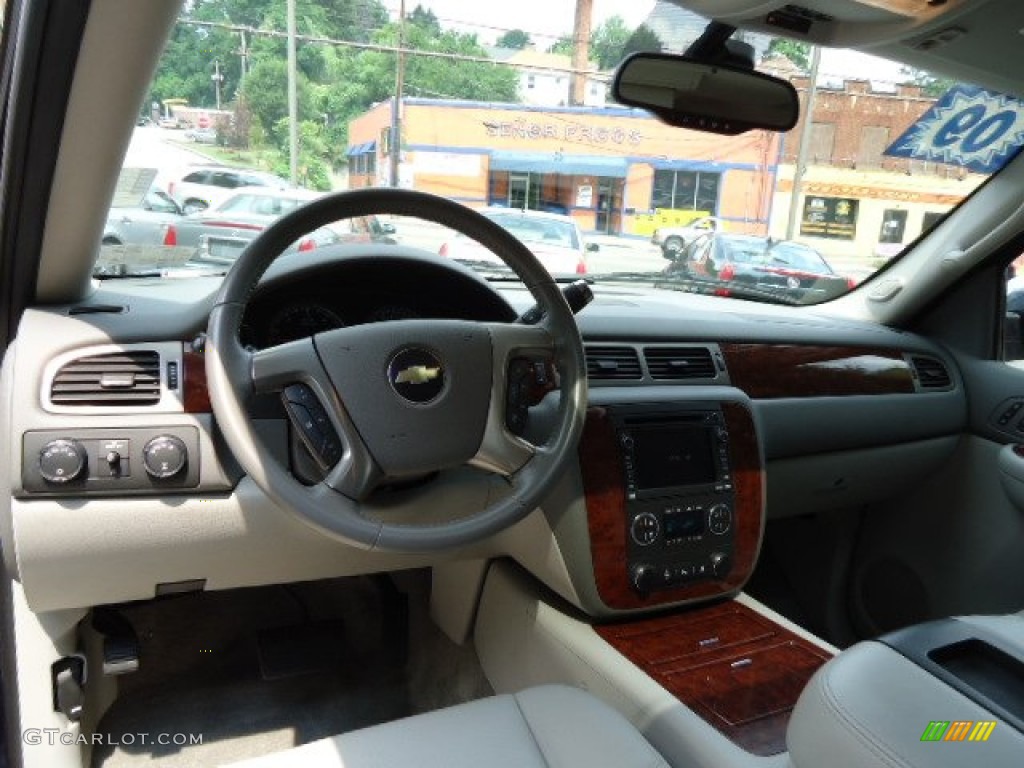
(204, 187)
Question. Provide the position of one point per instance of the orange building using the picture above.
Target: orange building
(614, 170)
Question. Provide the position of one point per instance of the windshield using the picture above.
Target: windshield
(505, 108)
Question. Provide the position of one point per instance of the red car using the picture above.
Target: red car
(723, 263)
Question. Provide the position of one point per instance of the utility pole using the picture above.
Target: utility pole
(293, 99)
(580, 51)
(395, 137)
(243, 52)
(805, 143)
(218, 78)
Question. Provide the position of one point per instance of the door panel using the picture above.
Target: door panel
(952, 545)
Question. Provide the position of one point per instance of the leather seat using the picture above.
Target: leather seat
(547, 727)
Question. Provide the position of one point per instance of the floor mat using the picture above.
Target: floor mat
(200, 674)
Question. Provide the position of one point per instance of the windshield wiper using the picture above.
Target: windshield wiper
(498, 273)
(123, 272)
(729, 290)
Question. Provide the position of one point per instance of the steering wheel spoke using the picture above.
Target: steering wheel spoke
(516, 350)
(274, 368)
(317, 415)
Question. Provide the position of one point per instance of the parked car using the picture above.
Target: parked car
(154, 222)
(170, 122)
(203, 187)
(222, 232)
(719, 262)
(555, 240)
(201, 135)
(672, 240)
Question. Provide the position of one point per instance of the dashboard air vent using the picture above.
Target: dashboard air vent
(612, 363)
(679, 363)
(118, 378)
(931, 373)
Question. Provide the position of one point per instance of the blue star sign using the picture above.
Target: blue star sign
(968, 126)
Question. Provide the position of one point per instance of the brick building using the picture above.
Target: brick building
(856, 202)
(853, 125)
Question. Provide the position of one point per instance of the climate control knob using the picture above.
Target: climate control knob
(644, 578)
(164, 457)
(721, 564)
(645, 529)
(62, 461)
(719, 519)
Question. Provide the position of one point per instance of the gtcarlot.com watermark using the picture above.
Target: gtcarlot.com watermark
(54, 736)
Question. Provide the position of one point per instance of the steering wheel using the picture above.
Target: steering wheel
(396, 399)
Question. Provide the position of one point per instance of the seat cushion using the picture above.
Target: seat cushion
(547, 727)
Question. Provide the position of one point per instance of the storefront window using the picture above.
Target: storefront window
(832, 217)
(931, 218)
(894, 224)
(686, 190)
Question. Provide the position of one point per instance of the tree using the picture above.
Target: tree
(425, 19)
(608, 42)
(643, 40)
(265, 91)
(797, 52)
(514, 38)
(611, 41)
(562, 45)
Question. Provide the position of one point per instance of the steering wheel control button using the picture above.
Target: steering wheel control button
(62, 461)
(314, 425)
(645, 529)
(164, 457)
(418, 376)
(719, 519)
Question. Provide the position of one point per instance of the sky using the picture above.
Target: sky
(547, 20)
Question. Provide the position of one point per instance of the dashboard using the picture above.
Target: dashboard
(792, 405)
(386, 287)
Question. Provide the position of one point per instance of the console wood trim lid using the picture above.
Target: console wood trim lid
(737, 669)
(792, 370)
(604, 488)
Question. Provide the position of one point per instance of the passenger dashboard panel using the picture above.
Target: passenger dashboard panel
(767, 371)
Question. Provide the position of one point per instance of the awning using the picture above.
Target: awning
(559, 162)
(365, 148)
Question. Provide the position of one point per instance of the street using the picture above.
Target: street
(151, 148)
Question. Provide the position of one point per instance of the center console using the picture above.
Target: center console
(674, 499)
(679, 494)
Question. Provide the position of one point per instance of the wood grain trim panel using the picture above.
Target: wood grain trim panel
(737, 669)
(193, 383)
(793, 370)
(604, 488)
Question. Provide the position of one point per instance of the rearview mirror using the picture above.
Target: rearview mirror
(593, 247)
(688, 93)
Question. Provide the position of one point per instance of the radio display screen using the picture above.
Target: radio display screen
(673, 456)
(682, 524)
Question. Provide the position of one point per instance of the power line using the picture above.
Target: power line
(383, 48)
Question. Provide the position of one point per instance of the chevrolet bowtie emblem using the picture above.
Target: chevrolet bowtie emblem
(417, 374)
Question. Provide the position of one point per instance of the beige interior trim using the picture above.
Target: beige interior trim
(524, 641)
